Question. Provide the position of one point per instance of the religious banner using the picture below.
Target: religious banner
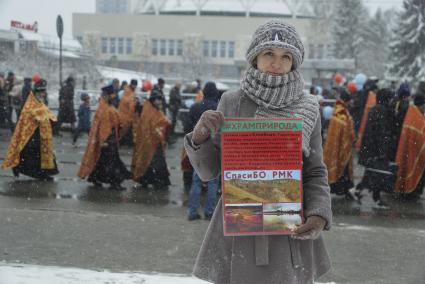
(261, 167)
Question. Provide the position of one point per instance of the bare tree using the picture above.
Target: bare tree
(193, 58)
(91, 42)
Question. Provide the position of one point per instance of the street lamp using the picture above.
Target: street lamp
(59, 30)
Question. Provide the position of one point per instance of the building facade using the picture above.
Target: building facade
(182, 39)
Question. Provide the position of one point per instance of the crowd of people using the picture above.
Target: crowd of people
(120, 119)
(31, 151)
(382, 127)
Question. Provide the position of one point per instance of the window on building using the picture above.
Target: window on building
(171, 47)
(122, 7)
(120, 45)
(329, 51)
(180, 47)
(320, 51)
(214, 46)
(154, 47)
(206, 48)
(311, 51)
(104, 42)
(112, 45)
(222, 49)
(129, 46)
(162, 47)
(231, 49)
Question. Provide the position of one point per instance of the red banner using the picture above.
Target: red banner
(22, 26)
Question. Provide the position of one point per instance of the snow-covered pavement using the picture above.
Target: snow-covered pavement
(35, 274)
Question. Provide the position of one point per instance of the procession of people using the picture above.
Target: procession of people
(386, 141)
(363, 124)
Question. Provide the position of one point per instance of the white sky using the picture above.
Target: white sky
(46, 11)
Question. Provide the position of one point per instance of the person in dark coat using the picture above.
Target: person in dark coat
(26, 90)
(174, 104)
(83, 117)
(31, 149)
(115, 99)
(209, 102)
(8, 106)
(359, 100)
(378, 145)
(101, 162)
(400, 105)
(84, 84)
(159, 87)
(2, 99)
(66, 105)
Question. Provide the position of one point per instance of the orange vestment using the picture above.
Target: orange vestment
(127, 111)
(34, 114)
(371, 101)
(411, 151)
(337, 153)
(105, 121)
(150, 131)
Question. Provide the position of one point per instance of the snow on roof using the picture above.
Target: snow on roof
(109, 73)
(48, 40)
(230, 6)
(55, 52)
(8, 35)
(50, 44)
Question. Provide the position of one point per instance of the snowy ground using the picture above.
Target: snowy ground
(34, 274)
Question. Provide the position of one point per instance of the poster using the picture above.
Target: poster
(261, 168)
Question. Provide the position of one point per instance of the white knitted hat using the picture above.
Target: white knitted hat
(276, 34)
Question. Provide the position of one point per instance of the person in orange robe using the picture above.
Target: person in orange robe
(148, 164)
(30, 151)
(411, 152)
(127, 111)
(101, 162)
(337, 153)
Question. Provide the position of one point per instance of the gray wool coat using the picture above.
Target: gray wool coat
(261, 259)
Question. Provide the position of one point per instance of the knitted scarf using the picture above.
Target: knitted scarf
(282, 96)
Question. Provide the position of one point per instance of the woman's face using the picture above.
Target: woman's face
(274, 61)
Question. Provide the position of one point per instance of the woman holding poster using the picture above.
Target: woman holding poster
(271, 88)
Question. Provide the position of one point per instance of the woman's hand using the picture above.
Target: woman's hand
(210, 122)
(311, 229)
